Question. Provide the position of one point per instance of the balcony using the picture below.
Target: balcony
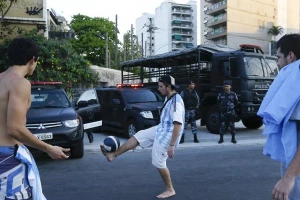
(217, 8)
(217, 33)
(218, 20)
(179, 25)
(212, 1)
(182, 11)
(183, 33)
(176, 47)
(184, 19)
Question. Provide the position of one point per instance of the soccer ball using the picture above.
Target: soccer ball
(111, 143)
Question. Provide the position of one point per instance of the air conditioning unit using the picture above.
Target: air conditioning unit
(205, 21)
(205, 33)
(205, 9)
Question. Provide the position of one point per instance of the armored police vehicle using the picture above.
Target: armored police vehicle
(248, 69)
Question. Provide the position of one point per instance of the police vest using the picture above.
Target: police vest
(190, 99)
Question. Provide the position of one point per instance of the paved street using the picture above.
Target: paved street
(205, 171)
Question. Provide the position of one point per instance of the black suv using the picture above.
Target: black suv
(125, 110)
(51, 118)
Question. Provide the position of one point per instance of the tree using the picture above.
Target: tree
(275, 30)
(58, 61)
(90, 37)
(5, 6)
(126, 47)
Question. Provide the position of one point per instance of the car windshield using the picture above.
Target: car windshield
(272, 67)
(141, 96)
(45, 98)
(260, 67)
(254, 66)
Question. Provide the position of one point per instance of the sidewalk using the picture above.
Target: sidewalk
(244, 136)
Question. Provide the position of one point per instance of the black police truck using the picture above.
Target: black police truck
(249, 70)
(125, 109)
(51, 118)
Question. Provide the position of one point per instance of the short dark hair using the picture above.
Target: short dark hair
(288, 43)
(21, 51)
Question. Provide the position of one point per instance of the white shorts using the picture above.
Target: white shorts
(146, 139)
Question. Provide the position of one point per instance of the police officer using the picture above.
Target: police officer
(191, 103)
(227, 101)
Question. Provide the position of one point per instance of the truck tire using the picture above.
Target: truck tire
(131, 128)
(252, 123)
(212, 120)
(78, 150)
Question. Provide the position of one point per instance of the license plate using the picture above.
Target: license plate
(44, 136)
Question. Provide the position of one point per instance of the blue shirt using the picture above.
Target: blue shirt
(276, 110)
(173, 111)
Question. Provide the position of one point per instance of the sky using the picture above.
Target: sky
(127, 10)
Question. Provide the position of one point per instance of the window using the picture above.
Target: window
(117, 95)
(49, 98)
(105, 98)
(89, 96)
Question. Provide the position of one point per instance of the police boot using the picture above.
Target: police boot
(196, 139)
(221, 139)
(182, 139)
(233, 139)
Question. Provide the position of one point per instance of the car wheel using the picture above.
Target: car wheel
(131, 128)
(252, 123)
(78, 150)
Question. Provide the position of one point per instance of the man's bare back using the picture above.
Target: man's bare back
(5, 87)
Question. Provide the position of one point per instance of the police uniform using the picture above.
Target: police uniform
(191, 102)
(227, 102)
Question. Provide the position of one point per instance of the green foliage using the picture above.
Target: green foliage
(275, 30)
(127, 47)
(57, 62)
(91, 37)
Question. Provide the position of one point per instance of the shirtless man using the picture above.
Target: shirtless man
(15, 100)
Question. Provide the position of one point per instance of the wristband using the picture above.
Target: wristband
(172, 145)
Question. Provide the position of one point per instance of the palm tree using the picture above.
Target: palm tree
(275, 30)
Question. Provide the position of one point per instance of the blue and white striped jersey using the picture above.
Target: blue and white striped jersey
(173, 111)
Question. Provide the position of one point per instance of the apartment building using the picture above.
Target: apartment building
(235, 22)
(173, 27)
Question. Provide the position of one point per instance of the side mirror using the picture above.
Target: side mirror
(116, 101)
(82, 104)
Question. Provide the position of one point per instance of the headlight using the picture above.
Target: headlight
(71, 123)
(147, 114)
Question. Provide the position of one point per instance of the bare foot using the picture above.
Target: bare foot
(166, 194)
(109, 156)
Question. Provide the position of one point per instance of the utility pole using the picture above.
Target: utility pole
(145, 48)
(106, 50)
(116, 43)
(137, 47)
(131, 48)
(142, 45)
(124, 46)
(151, 30)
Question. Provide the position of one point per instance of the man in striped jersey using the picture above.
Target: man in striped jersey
(164, 137)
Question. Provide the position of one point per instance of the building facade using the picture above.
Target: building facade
(173, 27)
(235, 22)
(24, 16)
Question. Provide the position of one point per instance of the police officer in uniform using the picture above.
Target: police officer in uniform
(227, 100)
(191, 103)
